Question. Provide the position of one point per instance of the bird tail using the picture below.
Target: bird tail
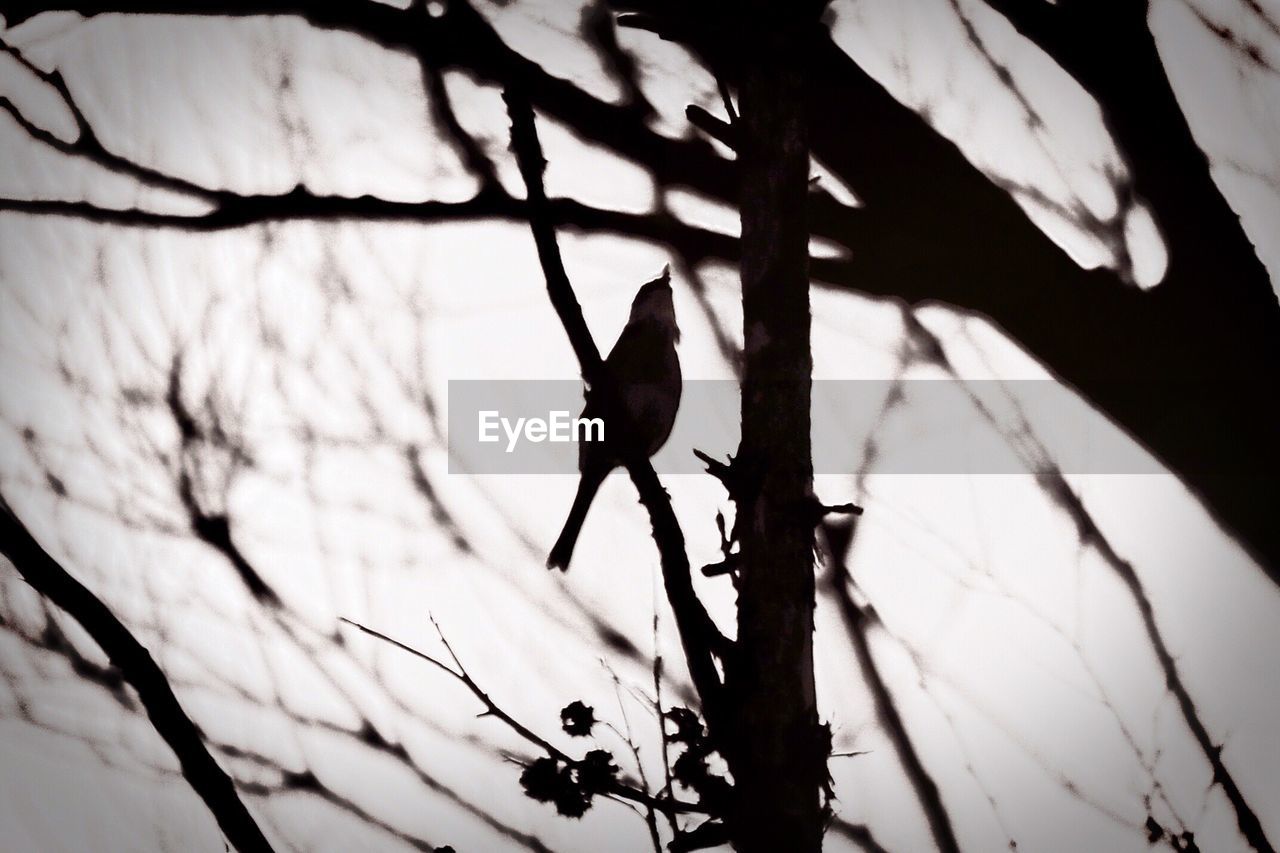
(562, 551)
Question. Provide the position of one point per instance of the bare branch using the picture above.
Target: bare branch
(859, 834)
(87, 145)
(300, 204)
(1061, 493)
(701, 638)
(859, 620)
(628, 738)
(657, 706)
(598, 28)
(135, 664)
(460, 674)
(493, 709)
(442, 112)
(717, 128)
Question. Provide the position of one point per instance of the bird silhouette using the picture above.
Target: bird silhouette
(645, 372)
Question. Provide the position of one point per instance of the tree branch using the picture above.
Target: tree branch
(935, 228)
(859, 834)
(858, 620)
(135, 664)
(493, 709)
(699, 635)
(86, 144)
(1061, 493)
(442, 112)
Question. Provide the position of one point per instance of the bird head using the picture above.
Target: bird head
(653, 304)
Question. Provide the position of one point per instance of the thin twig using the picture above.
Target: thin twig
(492, 709)
(657, 705)
(629, 739)
(858, 620)
(87, 145)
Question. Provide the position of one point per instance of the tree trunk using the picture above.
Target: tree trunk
(779, 751)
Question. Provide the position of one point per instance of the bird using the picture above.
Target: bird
(645, 373)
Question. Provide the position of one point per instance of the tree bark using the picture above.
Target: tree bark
(778, 754)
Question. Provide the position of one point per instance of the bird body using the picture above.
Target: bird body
(645, 372)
